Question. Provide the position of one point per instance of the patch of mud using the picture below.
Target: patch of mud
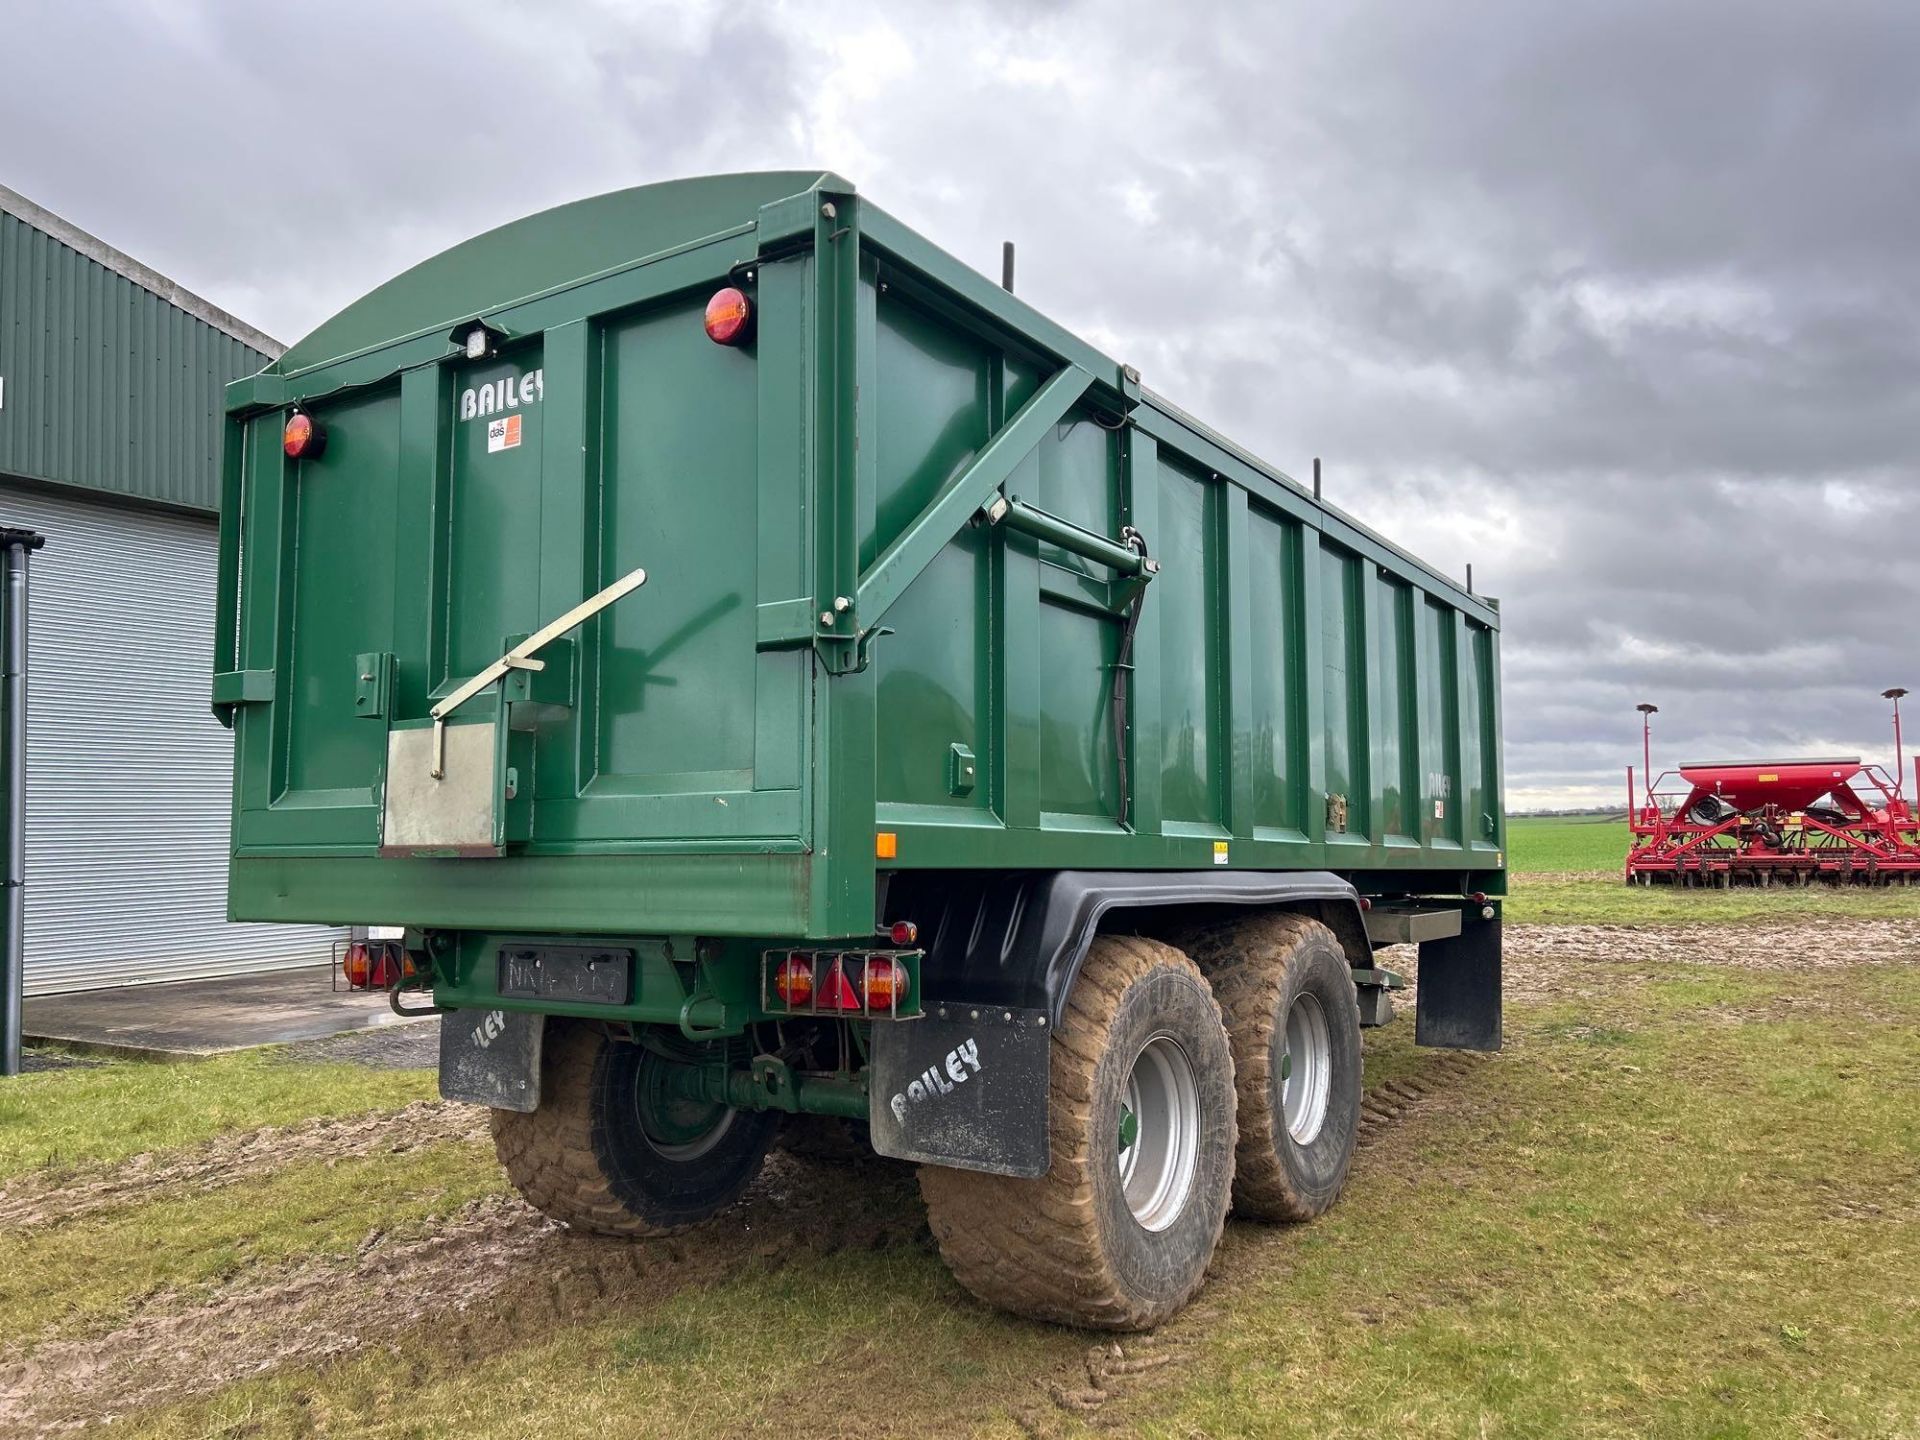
(1810, 942)
(50, 1197)
(1385, 1105)
(1118, 1366)
(1545, 963)
(414, 1046)
(36, 1061)
(494, 1274)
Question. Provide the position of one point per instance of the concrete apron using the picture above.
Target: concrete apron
(192, 1019)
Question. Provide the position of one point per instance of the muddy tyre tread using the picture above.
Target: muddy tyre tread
(549, 1154)
(1033, 1246)
(1245, 960)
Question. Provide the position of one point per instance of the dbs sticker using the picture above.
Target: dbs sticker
(503, 434)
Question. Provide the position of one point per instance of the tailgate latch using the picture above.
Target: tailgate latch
(520, 657)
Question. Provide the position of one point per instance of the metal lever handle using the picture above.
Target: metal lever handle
(1016, 514)
(521, 658)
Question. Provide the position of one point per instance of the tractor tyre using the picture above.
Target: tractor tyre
(1286, 990)
(1117, 1234)
(606, 1153)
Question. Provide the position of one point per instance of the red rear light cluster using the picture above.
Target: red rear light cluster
(729, 317)
(884, 983)
(375, 964)
(827, 983)
(793, 982)
(304, 438)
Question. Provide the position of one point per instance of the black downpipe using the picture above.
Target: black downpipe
(1122, 668)
(16, 544)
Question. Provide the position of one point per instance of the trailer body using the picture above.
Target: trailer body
(897, 549)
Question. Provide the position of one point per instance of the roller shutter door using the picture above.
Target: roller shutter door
(129, 777)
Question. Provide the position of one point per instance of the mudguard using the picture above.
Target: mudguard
(492, 1058)
(963, 1085)
(1017, 939)
(1457, 1006)
(1002, 952)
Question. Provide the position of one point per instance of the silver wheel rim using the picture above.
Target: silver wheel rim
(1306, 1069)
(1159, 1139)
(691, 1149)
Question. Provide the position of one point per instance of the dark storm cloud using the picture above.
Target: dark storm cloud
(296, 157)
(1618, 301)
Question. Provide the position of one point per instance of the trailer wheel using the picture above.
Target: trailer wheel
(1117, 1234)
(1286, 990)
(606, 1152)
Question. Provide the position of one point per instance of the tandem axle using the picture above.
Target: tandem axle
(942, 1047)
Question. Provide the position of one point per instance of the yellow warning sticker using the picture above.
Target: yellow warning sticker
(1768, 779)
(1220, 852)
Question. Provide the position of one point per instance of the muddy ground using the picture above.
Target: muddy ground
(498, 1273)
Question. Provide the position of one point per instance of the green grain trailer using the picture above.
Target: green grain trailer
(781, 679)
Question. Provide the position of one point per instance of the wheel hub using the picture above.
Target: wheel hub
(1158, 1141)
(676, 1125)
(1305, 1068)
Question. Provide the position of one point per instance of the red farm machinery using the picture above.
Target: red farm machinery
(1836, 821)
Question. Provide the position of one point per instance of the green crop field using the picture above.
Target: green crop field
(1567, 870)
(1561, 845)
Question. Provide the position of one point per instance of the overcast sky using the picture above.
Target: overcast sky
(1618, 301)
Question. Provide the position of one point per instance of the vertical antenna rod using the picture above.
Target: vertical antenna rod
(1006, 266)
(1647, 712)
(1899, 763)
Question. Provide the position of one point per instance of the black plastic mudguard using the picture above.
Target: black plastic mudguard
(1017, 938)
(492, 1058)
(1457, 1005)
(1002, 951)
(963, 1086)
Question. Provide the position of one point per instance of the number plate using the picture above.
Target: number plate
(577, 974)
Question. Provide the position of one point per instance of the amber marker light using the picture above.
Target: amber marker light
(730, 317)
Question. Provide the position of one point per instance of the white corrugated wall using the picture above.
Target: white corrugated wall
(129, 777)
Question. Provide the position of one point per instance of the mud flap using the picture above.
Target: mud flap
(963, 1086)
(1457, 1004)
(492, 1058)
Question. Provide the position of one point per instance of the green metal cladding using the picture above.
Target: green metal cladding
(833, 641)
(113, 375)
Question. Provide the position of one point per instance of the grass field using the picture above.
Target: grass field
(100, 1113)
(1681, 1203)
(1557, 845)
(1568, 871)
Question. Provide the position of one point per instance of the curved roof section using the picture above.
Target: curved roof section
(540, 252)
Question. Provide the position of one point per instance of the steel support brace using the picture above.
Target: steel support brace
(917, 546)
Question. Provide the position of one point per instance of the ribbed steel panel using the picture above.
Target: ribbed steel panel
(128, 774)
(108, 385)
